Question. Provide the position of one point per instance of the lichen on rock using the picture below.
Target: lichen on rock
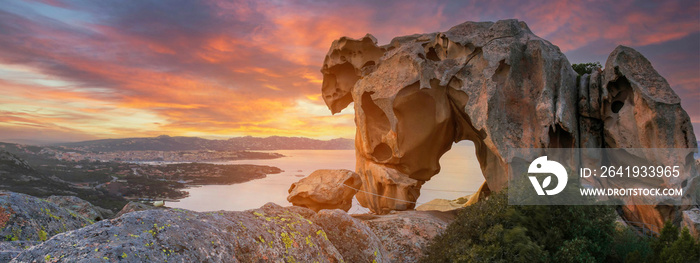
(80, 206)
(269, 233)
(26, 221)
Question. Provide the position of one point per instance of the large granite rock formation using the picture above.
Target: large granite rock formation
(629, 105)
(325, 189)
(500, 86)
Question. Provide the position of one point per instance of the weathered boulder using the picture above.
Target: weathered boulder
(353, 239)
(325, 189)
(133, 207)
(26, 221)
(630, 106)
(447, 205)
(639, 108)
(80, 206)
(504, 88)
(443, 204)
(270, 233)
(27, 218)
(405, 234)
(691, 220)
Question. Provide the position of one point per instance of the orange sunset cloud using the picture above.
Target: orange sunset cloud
(75, 70)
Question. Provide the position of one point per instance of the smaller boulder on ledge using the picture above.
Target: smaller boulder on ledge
(443, 204)
(133, 207)
(325, 189)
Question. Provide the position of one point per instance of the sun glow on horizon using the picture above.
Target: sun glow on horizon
(72, 70)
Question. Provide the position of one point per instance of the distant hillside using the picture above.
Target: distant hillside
(168, 143)
(15, 171)
(17, 175)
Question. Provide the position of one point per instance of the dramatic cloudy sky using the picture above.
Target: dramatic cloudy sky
(74, 70)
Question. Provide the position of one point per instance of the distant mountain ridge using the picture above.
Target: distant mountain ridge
(180, 143)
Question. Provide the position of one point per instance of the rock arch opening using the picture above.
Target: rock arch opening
(460, 175)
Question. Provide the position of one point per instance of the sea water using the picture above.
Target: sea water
(460, 175)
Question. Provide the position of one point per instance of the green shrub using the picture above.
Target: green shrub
(503, 245)
(585, 68)
(552, 226)
(575, 250)
(492, 231)
(629, 246)
(669, 234)
(683, 249)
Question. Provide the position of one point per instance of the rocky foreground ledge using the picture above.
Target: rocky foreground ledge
(269, 233)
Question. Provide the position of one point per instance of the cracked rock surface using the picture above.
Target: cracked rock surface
(268, 234)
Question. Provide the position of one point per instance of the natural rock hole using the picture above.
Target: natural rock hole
(432, 55)
(560, 138)
(620, 90)
(616, 106)
(382, 152)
